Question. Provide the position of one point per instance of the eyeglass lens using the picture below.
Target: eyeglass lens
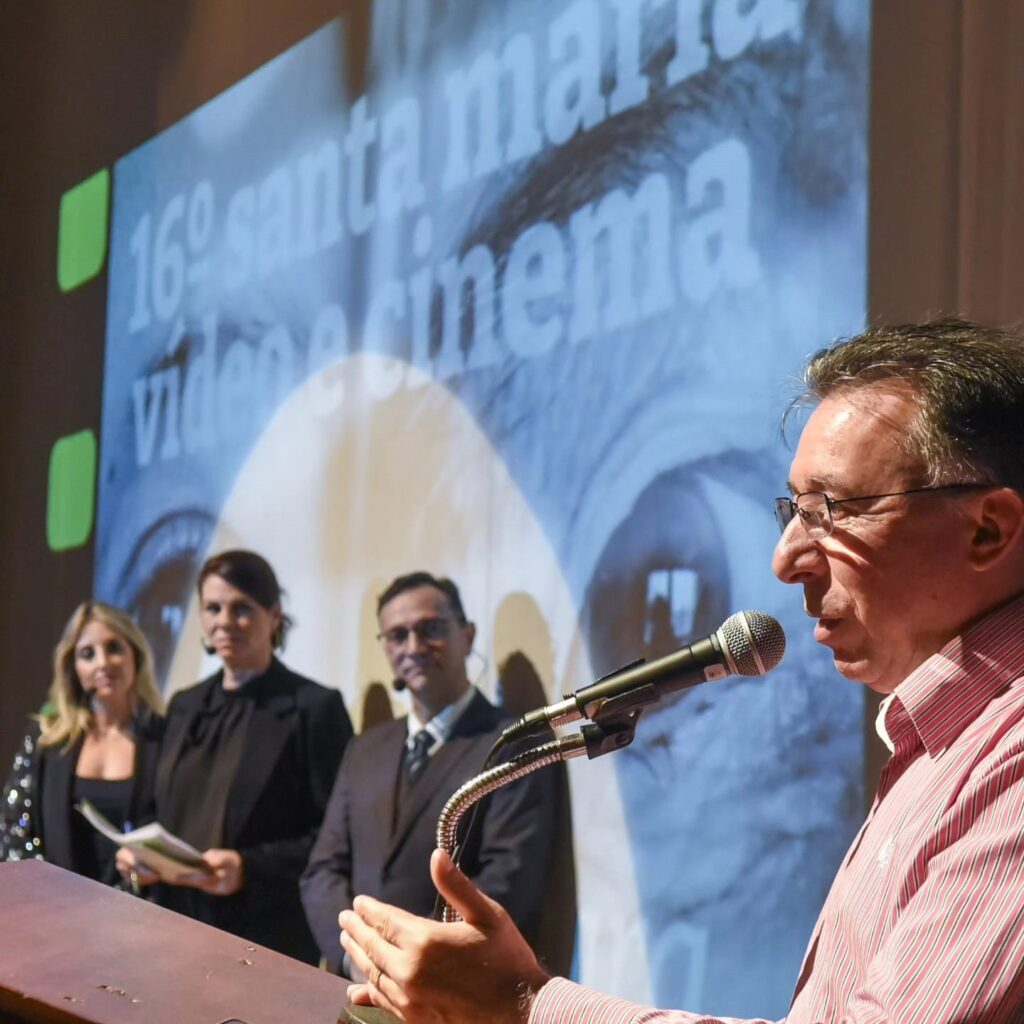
(427, 631)
(811, 507)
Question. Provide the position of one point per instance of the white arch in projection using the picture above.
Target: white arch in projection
(341, 503)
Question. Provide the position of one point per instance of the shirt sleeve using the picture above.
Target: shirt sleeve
(19, 838)
(326, 884)
(564, 1002)
(953, 955)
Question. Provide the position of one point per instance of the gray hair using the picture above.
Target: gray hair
(967, 380)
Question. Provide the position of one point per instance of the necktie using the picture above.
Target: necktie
(417, 755)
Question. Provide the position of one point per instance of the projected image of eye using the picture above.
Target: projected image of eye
(160, 576)
(512, 290)
(690, 551)
(663, 578)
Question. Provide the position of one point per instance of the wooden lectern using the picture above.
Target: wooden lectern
(74, 950)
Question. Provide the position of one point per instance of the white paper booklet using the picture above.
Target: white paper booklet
(160, 850)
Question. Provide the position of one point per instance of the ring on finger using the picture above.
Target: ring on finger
(380, 974)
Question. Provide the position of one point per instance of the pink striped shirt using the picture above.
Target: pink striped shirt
(924, 923)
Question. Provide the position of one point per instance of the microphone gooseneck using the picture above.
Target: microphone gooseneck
(746, 644)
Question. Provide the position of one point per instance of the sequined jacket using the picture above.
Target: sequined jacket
(36, 807)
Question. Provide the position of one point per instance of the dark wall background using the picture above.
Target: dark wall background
(947, 162)
(79, 85)
(82, 83)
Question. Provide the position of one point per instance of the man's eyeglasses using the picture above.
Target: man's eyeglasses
(428, 631)
(815, 508)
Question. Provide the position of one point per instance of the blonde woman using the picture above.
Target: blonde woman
(97, 738)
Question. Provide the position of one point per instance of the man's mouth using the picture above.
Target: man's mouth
(825, 627)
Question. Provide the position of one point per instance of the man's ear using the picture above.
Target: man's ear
(998, 520)
(470, 628)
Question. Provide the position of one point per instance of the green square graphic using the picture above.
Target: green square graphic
(69, 501)
(82, 234)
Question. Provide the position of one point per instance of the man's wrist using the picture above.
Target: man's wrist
(526, 993)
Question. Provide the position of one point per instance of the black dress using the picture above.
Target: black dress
(37, 815)
(251, 770)
(92, 852)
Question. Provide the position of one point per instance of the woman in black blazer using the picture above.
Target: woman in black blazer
(248, 761)
(97, 738)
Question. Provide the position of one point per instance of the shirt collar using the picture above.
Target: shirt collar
(883, 732)
(941, 697)
(442, 724)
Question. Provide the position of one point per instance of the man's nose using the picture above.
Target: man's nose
(797, 557)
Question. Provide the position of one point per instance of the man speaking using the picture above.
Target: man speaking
(904, 526)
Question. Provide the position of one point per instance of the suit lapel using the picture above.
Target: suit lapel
(450, 761)
(388, 758)
(184, 710)
(58, 770)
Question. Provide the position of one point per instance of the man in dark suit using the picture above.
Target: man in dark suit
(379, 828)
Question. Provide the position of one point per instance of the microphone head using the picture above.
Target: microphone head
(753, 643)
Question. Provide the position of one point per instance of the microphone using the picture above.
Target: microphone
(398, 684)
(746, 644)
